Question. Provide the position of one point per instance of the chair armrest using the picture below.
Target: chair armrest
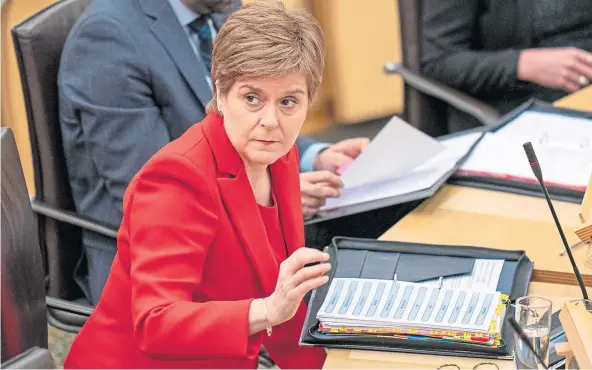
(65, 315)
(33, 358)
(67, 306)
(486, 114)
(73, 218)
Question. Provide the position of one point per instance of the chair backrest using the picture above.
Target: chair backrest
(422, 111)
(38, 42)
(24, 312)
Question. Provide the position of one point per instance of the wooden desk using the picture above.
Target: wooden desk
(354, 359)
(468, 216)
(580, 100)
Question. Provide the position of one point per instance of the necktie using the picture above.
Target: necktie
(201, 27)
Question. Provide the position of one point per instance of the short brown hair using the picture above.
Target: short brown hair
(264, 39)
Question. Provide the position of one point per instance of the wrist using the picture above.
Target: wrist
(272, 316)
(317, 162)
(524, 65)
(256, 316)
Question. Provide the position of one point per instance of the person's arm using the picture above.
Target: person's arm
(171, 213)
(449, 56)
(308, 151)
(104, 81)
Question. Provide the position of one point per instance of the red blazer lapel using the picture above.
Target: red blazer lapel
(286, 182)
(240, 203)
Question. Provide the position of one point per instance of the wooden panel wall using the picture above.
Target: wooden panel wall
(13, 107)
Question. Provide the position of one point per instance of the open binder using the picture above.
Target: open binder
(524, 186)
(412, 262)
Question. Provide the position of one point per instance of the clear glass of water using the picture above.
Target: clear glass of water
(533, 314)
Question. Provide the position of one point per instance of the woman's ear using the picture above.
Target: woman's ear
(220, 101)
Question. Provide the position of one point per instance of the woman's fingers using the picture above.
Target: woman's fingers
(308, 273)
(308, 285)
(301, 257)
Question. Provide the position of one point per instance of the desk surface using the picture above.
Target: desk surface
(468, 216)
(476, 217)
(579, 100)
(355, 359)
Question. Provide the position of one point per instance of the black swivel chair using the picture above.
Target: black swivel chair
(38, 43)
(426, 101)
(24, 304)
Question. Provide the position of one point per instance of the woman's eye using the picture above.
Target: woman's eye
(289, 103)
(252, 99)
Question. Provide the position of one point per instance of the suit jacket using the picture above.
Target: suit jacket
(129, 83)
(192, 255)
(474, 46)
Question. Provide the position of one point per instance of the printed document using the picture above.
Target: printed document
(398, 148)
(423, 175)
(484, 277)
(372, 303)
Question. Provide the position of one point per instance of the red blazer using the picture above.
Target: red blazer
(192, 255)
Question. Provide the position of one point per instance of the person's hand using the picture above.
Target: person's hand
(315, 187)
(563, 68)
(340, 154)
(294, 281)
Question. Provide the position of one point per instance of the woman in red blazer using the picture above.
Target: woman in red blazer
(210, 263)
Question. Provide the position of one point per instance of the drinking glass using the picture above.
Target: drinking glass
(533, 314)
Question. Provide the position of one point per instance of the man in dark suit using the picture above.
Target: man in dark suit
(507, 51)
(134, 75)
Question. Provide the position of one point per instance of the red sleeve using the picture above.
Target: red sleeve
(284, 349)
(172, 222)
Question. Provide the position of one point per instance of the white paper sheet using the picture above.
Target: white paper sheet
(550, 129)
(398, 148)
(499, 155)
(484, 277)
(422, 177)
(563, 146)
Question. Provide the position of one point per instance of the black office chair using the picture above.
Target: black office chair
(38, 43)
(24, 305)
(24, 326)
(426, 101)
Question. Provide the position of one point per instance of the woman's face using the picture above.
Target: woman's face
(263, 116)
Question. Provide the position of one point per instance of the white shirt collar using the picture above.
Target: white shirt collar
(183, 13)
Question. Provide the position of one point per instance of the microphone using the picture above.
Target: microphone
(536, 169)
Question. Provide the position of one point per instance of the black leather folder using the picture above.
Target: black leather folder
(373, 259)
(520, 187)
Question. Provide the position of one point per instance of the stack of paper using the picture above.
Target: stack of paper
(414, 311)
(563, 146)
(399, 160)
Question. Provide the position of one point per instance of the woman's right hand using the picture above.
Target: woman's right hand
(294, 281)
(562, 68)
